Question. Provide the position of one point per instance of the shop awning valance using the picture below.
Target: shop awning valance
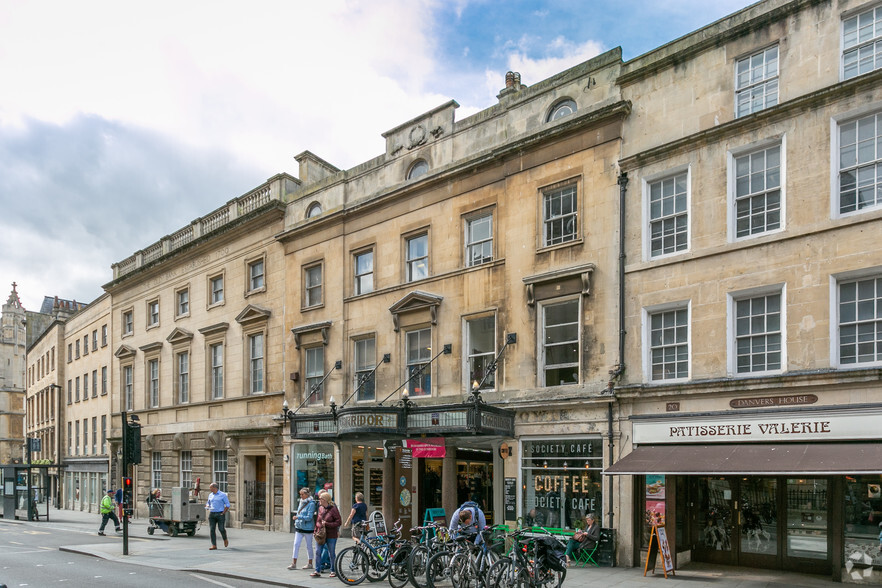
(823, 459)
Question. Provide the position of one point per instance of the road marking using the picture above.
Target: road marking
(212, 581)
(16, 543)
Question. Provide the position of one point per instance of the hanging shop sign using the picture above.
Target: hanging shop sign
(431, 447)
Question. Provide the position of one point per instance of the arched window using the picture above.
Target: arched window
(314, 210)
(561, 109)
(419, 168)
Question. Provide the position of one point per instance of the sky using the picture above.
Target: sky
(122, 121)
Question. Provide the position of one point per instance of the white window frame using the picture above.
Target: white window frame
(363, 363)
(836, 281)
(186, 470)
(360, 285)
(472, 354)
(313, 290)
(542, 347)
(220, 468)
(256, 362)
(422, 359)
(768, 83)
(836, 123)
(558, 190)
(216, 351)
(216, 295)
(874, 42)
(128, 322)
(732, 299)
(152, 382)
(156, 469)
(153, 313)
(128, 386)
(104, 380)
(732, 177)
(182, 376)
(478, 245)
(182, 302)
(256, 280)
(647, 314)
(414, 262)
(647, 183)
(314, 371)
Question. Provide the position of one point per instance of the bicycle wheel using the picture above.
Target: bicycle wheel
(501, 574)
(438, 570)
(462, 571)
(398, 566)
(351, 566)
(416, 566)
(549, 578)
(378, 564)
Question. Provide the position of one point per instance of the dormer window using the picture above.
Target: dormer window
(563, 108)
(419, 168)
(314, 210)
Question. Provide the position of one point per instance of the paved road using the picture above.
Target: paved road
(31, 557)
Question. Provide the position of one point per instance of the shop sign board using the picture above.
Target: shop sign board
(510, 497)
(431, 447)
(816, 426)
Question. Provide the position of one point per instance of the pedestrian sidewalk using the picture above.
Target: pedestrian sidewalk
(263, 556)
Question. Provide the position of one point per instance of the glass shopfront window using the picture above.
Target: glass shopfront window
(863, 520)
(561, 481)
(807, 502)
(314, 467)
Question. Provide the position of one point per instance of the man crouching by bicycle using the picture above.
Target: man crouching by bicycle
(468, 520)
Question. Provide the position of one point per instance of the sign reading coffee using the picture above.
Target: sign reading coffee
(561, 481)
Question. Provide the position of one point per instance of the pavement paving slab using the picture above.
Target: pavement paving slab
(263, 556)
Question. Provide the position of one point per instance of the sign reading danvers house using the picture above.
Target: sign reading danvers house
(810, 425)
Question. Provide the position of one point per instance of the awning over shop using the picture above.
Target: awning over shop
(823, 459)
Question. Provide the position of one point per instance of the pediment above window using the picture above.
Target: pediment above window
(179, 335)
(150, 347)
(253, 314)
(323, 326)
(214, 329)
(560, 282)
(124, 352)
(415, 301)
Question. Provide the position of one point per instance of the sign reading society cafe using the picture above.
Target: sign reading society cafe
(813, 425)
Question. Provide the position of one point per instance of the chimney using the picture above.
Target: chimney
(512, 84)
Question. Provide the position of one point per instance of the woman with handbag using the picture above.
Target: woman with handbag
(327, 526)
(304, 525)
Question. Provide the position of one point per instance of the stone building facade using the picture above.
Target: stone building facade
(196, 330)
(13, 345)
(753, 301)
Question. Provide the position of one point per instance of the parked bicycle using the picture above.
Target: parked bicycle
(536, 562)
(369, 558)
(467, 565)
(435, 539)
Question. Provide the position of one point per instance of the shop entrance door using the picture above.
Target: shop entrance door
(762, 522)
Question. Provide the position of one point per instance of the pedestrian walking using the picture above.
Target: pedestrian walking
(357, 515)
(304, 525)
(328, 520)
(107, 513)
(217, 506)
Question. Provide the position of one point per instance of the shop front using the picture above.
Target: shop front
(789, 489)
(407, 459)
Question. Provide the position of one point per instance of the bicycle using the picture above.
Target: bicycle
(534, 564)
(467, 566)
(369, 558)
(420, 555)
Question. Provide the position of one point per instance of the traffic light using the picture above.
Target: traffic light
(132, 432)
(128, 493)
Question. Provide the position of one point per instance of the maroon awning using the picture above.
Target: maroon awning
(823, 459)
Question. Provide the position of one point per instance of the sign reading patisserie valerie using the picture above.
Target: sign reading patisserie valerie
(802, 426)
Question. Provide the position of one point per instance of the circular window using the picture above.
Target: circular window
(562, 108)
(419, 168)
(314, 210)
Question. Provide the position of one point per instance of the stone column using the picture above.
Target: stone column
(448, 482)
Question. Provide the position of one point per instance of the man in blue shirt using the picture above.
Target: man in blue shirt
(217, 506)
(474, 520)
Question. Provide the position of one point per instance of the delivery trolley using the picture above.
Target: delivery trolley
(181, 514)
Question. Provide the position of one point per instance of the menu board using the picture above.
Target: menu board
(510, 498)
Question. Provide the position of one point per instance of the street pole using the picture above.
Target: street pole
(28, 501)
(125, 473)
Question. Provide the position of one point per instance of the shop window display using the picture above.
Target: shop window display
(863, 521)
(561, 481)
(314, 467)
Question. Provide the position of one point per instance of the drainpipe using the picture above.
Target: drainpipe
(619, 369)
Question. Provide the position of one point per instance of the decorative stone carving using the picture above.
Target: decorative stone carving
(214, 440)
(437, 131)
(418, 136)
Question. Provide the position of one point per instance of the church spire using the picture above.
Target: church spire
(13, 299)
